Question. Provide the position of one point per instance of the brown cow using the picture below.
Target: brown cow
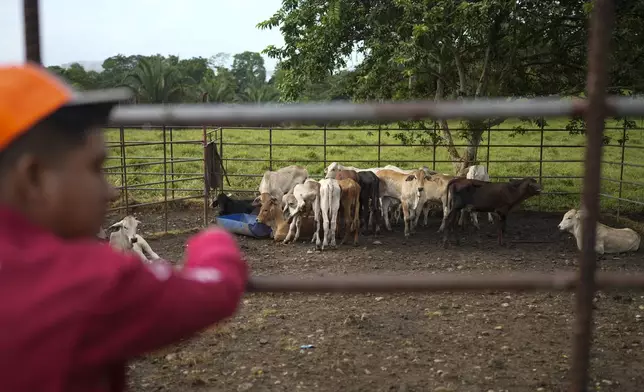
(350, 208)
(272, 215)
(483, 196)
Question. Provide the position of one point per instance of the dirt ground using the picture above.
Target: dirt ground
(496, 341)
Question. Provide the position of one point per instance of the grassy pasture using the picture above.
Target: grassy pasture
(359, 144)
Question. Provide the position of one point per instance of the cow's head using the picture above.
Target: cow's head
(221, 200)
(330, 171)
(420, 176)
(270, 207)
(290, 207)
(128, 226)
(530, 186)
(570, 219)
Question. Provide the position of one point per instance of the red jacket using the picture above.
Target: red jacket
(72, 313)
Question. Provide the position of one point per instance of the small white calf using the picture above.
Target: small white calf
(476, 172)
(127, 240)
(304, 199)
(609, 239)
(330, 195)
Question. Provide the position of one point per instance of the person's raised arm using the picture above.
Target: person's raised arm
(139, 308)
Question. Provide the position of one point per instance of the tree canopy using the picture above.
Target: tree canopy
(449, 49)
(411, 49)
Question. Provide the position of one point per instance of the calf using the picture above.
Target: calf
(410, 190)
(609, 239)
(482, 196)
(226, 205)
(330, 194)
(280, 182)
(369, 200)
(127, 240)
(436, 193)
(273, 216)
(350, 208)
(476, 172)
(304, 199)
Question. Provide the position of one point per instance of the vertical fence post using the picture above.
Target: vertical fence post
(621, 170)
(487, 158)
(32, 31)
(270, 148)
(124, 171)
(379, 142)
(324, 145)
(541, 161)
(221, 153)
(205, 169)
(171, 161)
(165, 180)
(601, 26)
(434, 141)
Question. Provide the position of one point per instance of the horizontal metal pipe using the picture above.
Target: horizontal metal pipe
(564, 281)
(155, 202)
(182, 160)
(639, 203)
(138, 144)
(268, 114)
(392, 160)
(163, 182)
(623, 181)
(622, 163)
(136, 189)
(400, 145)
(113, 173)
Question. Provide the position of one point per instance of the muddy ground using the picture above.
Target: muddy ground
(496, 341)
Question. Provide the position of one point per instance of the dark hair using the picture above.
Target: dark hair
(51, 138)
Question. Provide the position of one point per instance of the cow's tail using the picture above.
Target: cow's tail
(356, 216)
(449, 200)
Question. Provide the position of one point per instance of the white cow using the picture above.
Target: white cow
(304, 199)
(127, 240)
(330, 194)
(476, 172)
(609, 239)
(278, 183)
(410, 190)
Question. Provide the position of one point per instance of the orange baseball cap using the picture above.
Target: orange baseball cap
(30, 93)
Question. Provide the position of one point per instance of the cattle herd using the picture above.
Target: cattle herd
(353, 200)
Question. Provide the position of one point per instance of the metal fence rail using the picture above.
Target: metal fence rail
(595, 109)
(248, 152)
(134, 176)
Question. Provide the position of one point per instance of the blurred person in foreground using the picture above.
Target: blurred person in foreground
(73, 311)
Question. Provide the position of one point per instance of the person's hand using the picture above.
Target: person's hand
(215, 248)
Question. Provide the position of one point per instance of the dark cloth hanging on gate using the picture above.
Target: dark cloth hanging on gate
(215, 171)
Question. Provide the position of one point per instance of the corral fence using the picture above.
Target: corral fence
(595, 109)
(162, 165)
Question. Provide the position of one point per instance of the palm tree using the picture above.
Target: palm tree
(259, 93)
(218, 90)
(153, 80)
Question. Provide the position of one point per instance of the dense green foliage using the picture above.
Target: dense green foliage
(412, 49)
(159, 79)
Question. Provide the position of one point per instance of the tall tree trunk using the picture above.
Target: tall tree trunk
(444, 125)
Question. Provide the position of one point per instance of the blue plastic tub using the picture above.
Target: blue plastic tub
(244, 224)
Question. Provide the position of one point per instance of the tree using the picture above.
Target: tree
(116, 69)
(155, 80)
(259, 93)
(248, 69)
(221, 87)
(440, 49)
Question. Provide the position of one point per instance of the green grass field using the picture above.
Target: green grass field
(354, 147)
